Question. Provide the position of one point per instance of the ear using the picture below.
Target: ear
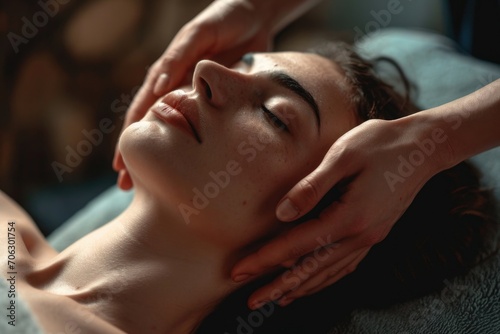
(124, 180)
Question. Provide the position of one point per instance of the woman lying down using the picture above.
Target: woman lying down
(207, 181)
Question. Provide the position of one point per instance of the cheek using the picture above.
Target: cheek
(267, 169)
(270, 170)
(245, 170)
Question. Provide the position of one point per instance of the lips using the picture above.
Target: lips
(177, 109)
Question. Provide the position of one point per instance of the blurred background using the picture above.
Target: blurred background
(70, 69)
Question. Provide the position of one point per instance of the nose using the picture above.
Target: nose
(218, 84)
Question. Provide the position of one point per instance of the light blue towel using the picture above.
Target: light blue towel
(99, 211)
(17, 320)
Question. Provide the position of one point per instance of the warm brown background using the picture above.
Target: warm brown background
(66, 78)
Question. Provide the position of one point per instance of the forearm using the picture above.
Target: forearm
(279, 13)
(469, 124)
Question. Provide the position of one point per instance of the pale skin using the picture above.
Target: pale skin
(367, 151)
(149, 270)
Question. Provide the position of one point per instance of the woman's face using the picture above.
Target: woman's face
(240, 139)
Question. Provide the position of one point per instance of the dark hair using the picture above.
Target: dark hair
(444, 232)
(371, 96)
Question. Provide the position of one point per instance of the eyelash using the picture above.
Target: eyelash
(273, 119)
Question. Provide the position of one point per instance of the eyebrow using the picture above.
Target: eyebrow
(286, 81)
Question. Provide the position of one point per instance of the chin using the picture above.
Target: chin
(159, 162)
(140, 141)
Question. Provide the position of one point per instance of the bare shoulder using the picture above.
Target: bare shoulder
(16, 223)
(20, 237)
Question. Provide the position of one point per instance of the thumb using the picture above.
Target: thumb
(118, 163)
(307, 193)
(191, 44)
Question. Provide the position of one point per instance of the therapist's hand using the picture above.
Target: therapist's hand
(224, 31)
(321, 251)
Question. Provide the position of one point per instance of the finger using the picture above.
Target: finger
(291, 245)
(191, 44)
(289, 263)
(161, 84)
(140, 105)
(118, 162)
(307, 193)
(293, 278)
(275, 290)
(333, 224)
(340, 274)
(337, 270)
(124, 180)
(292, 296)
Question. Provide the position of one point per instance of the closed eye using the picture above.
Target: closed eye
(274, 120)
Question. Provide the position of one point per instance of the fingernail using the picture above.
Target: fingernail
(286, 210)
(241, 277)
(285, 301)
(161, 83)
(257, 304)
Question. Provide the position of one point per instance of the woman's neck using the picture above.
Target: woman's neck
(143, 272)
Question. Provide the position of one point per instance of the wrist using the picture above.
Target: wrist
(470, 124)
(430, 142)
